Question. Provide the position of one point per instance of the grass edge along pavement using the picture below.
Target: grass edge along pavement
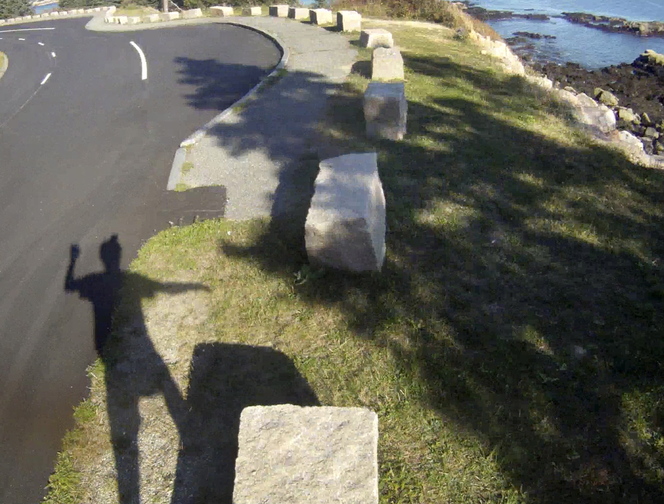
(512, 345)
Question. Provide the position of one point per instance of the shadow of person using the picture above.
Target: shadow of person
(132, 367)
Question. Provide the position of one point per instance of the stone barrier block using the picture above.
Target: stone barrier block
(349, 21)
(219, 11)
(109, 19)
(298, 13)
(345, 226)
(293, 455)
(192, 14)
(169, 16)
(387, 64)
(97, 9)
(121, 20)
(133, 20)
(55, 13)
(386, 110)
(376, 37)
(2, 21)
(80, 11)
(320, 16)
(279, 10)
(87, 11)
(253, 11)
(151, 18)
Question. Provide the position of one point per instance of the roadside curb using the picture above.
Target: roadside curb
(181, 154)
(285, 55)
(4, 65)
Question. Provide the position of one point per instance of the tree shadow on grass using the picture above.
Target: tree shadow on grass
(524, 275)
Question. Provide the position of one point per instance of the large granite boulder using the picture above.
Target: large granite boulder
(279, 10)
(192, 14)
(349, 21)
(320, 16)
(345, 226)
(376, 37)
(304, 455)
(169, 16)
(387, 64)
(253, 11)
(385, 110)
(221, 11)
(298, 13)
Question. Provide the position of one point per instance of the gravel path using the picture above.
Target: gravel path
(256, 152)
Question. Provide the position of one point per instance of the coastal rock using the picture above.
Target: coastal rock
(651, 132)
(606, 97)
(586, 101)
(645, 120)
(627, 115)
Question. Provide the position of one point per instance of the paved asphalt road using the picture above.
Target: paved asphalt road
(82, 156)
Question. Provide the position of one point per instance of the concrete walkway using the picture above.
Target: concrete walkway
(256, 151)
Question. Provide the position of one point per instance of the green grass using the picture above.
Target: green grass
(181, 186)
(512, 345)
(135, 10)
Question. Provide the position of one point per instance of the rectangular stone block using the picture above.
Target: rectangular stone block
(97, 9)
(349, 21)
(298, 13)
(55, 13)
(345, 225)
(151, 18)
(320, 16)
(376, 37)
(192, 14)
(387, 64)
(169, 16)
(279, 10)
(133, 20)
(109, 19)
(121, 20)
(385, 110)
(219, 11)
(313, 455)
(253, 11)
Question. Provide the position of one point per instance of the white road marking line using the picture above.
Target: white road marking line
(45, 79)
(21, 38)
(26, 29)
(40, 43)
(144, 63)
(53, 54)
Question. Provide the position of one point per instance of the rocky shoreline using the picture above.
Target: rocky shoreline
(634, 91)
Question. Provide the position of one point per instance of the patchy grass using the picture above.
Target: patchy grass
(512, 346)
(187, 166)
(135, 10)
(181, 186)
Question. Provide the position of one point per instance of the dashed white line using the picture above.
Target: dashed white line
(21, 38)
(144, 63)
(48, 76)
(41, 43)
(53, 54)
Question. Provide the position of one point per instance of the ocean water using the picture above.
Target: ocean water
(590, 47)
(45, 8)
